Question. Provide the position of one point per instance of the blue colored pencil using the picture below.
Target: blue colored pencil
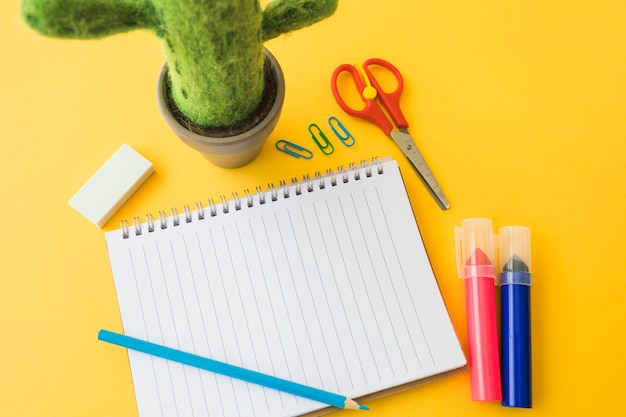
(243, 374)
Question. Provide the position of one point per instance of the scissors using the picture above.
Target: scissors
(369, 89)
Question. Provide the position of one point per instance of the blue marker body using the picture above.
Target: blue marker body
(516, 345)
(515, 283)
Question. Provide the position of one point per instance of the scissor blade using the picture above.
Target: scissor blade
(408, 147)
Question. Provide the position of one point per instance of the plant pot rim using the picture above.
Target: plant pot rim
(218, 149)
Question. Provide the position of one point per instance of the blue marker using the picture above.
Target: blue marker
(515, 283)
(232, 371)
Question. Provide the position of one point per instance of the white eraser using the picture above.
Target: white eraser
(112, 185)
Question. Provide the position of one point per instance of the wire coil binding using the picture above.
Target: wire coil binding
(261, 196)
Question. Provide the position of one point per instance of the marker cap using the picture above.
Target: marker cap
(475, 253)
(514, 255)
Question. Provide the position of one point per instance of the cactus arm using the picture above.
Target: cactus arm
(283, 16)
(87, 19)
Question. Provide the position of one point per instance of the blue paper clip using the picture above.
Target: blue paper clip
(346, 138)
(294, 150)
(326, 145)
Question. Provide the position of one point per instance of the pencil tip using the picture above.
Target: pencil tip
(353, 405)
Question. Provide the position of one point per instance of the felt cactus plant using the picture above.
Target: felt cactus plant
(214, 48)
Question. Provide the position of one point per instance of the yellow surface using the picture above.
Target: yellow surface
(519, 107)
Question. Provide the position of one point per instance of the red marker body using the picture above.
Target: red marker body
(475, 254)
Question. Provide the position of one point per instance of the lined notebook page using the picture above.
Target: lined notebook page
(330, 288)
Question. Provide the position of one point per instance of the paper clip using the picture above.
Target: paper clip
(294, 150)
(323, 146)
(346, 138)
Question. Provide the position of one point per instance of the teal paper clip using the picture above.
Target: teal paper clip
(325, 146)
(294, 150)
(346, 138)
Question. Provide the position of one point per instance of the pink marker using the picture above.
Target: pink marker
(475, 256)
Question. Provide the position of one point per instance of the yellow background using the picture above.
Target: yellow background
(519, 107)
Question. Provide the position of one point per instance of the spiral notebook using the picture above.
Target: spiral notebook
(323, 281)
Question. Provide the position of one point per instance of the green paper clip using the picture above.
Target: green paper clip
(326, 144)
(347, 139)
(294, 150)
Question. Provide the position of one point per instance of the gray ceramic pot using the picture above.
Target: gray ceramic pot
(233, 151)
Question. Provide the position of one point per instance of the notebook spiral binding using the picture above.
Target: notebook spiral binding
(260, 196)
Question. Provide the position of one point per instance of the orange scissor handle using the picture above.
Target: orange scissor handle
(391, 100)
(371, 111)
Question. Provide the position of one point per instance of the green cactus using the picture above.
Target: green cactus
(214, 48)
